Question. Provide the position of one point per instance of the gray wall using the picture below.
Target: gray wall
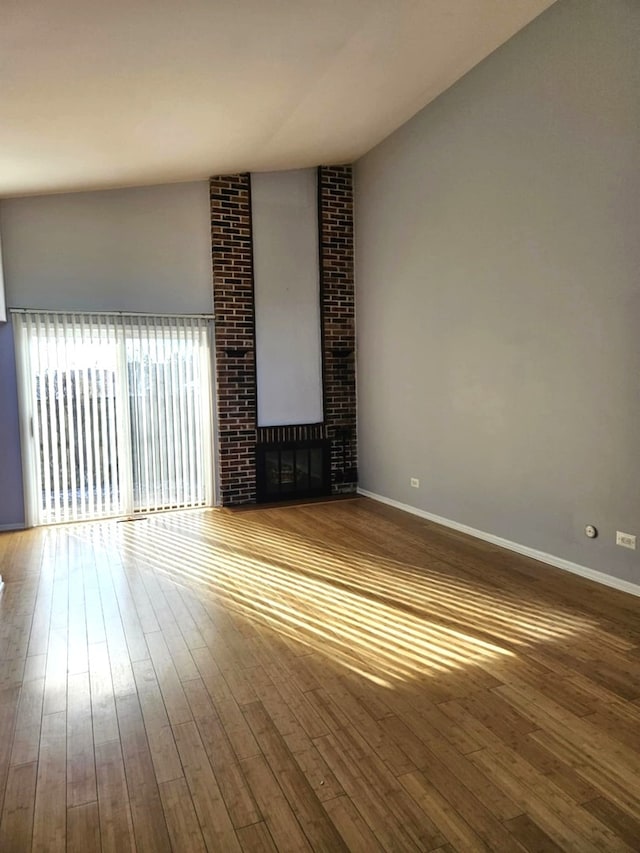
(498, 298)
(3, 305)
(11, 498)
(141, 249)
(144, 249)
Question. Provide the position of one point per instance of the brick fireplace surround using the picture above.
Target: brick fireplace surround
(232, 253)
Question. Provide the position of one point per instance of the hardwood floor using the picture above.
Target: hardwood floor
(329, 677)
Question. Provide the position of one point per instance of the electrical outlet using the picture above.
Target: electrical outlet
(415, 483)
(627, 540)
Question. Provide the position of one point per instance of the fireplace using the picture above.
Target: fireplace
(289, 470)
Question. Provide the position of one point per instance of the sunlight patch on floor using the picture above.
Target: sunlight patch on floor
(387, 620)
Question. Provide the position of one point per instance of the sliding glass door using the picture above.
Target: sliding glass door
(168, 415)
(116, 414)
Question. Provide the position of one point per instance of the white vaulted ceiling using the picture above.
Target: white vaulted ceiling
(129, 92)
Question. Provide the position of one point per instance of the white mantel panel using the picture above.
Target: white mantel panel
(287, 298)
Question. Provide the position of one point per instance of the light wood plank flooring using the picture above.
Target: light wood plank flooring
(329, 677)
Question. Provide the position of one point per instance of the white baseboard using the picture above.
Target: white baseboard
(549, 559)
(4, 527)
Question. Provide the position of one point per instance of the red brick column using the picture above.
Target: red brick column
(233, 295)
(337, 294)
(232, 253)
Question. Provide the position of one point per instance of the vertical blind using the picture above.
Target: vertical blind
(116, 413)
